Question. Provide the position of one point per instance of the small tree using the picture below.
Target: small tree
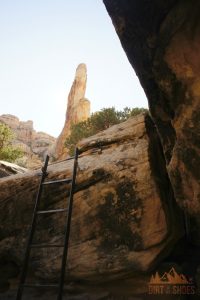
(128, 112)
(8, 152)
(104, 118)
(79, 131)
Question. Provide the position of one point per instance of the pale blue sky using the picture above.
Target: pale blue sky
(42, 42)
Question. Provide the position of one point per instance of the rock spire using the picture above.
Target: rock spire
(78, 109)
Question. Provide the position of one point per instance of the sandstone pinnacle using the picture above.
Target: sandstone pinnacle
(78, 108)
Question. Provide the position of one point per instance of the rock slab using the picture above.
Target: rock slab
(7, 169)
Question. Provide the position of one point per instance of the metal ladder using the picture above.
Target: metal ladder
(37, 212)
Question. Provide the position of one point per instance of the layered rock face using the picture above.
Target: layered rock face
(125, 219)
(161, 40)
(34, 144)
(78, 109)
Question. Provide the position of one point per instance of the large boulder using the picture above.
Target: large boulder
(161, 40)
(125, 219)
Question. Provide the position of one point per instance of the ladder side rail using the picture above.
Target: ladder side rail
(31, 232)
(67, 228)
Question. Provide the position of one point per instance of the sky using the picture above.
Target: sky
(42, 43)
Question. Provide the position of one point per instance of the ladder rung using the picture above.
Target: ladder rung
(51, 211)
(39, 285)
(46, 245)
(68, 180)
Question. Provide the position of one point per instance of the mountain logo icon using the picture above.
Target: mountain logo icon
(171, 277)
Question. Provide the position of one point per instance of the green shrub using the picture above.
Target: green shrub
(99, 121)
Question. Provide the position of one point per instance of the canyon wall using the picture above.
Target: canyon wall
(35, 145)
